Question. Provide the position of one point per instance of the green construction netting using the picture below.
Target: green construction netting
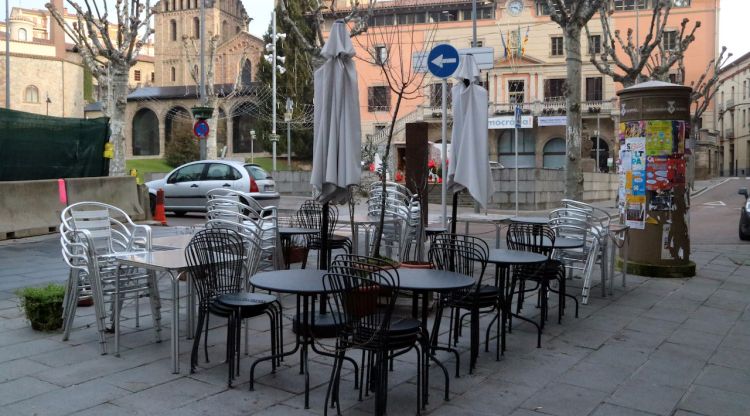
(33, 146)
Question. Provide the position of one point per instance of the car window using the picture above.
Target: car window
(256, 172)
(189, 173)
(220, 171)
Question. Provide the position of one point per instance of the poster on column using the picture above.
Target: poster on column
(631, 129)
(635, 211)
(676, 170)
(657, 176)
(659, 138)
(637, 148)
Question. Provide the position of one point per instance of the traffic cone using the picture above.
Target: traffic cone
(159, 214)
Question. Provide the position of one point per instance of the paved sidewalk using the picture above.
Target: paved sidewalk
(657, 347)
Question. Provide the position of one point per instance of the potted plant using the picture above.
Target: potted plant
(43, 306)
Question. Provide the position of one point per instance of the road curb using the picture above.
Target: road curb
(709, 187)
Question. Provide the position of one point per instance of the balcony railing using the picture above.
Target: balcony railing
(729, 134)
(730, 104)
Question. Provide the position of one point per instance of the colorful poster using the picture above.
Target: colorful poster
(637, 148)
(661, 201)
(635, 212)
(639, 183)
(676, 172)
(631, 129)
(679, 135)
(625, 161)
(659, 138)
(657, 176)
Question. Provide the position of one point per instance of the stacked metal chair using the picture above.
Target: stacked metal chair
(92, 235)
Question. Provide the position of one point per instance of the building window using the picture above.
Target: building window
(174, 74)
(381, 55)
(482, 13)
(31, 94)
(680, 3)
(556, 47)
(669, 40)
(436, 95)
(225, 29)
(554, 88)
(631, 4)
(542, 8)
(173, 30)
(23, 35)
(744, 89)
(378, 99)
(444, 16)
(153, 77)
(673, 78)
(594, 89)
(526, 149)
(137, 75)
(196, 28)
(554, 154)
(595, 44)
(516, 91)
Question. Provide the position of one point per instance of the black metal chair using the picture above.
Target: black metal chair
(364, 291)
(310, 215)
(467, 255)
(216, 263)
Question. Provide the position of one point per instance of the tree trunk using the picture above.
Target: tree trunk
(116, 113)
(573, 174)
(213, 123)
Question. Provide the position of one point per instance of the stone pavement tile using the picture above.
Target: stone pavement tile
(534, 371)
(647, 396)
(284, 410)
(652, 326)
(23, 388)
(694, 338)
(289, 379)
(608, 409)
(451, 410)
(13, 323)
(108, 409)
(619, 356)
(736, 340)
(668, 349)
(711, 401)
(677, 301)
(562, 399)
(71, 354)
(238, 401)
(602, 377)
(17, 336)
(670, 371)
(637, 339)
(719, 326)
(68, 400)
(143, 377)
(640, 299)
(586, 337)
(681, 412)
(167, 396)
(731, 357)
(28, 348)
(725, 378)
(666, 314)
(21, 367)
(498, 397)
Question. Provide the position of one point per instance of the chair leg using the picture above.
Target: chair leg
(155, 302)
(197, 340)
(72, 291)
(205, 337)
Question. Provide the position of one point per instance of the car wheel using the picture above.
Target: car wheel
(179, 213)
(743, 236)
(152, 204)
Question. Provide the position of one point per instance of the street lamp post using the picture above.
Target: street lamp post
(288, 118)
(273, 60)
(202, 31)
(252, 146)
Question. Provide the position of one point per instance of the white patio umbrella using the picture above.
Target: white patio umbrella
(470, 167)
(337, 134)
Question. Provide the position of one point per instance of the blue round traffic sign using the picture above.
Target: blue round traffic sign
(442, 61)
(200, 129)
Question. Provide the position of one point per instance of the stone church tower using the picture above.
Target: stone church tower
(237, 53)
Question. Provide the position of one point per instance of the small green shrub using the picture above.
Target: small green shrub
(181, 149)
(43, 306)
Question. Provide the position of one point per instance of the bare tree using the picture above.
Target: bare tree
(638, 62)
(393, 55)
(109, 50)
(572, 16)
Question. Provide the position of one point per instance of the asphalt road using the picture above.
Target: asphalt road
(715, 215)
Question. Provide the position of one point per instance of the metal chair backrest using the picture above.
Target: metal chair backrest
(460, 253)
(310, 215)
(364, 300)
(215, 259)
(530, 237)
(353, 263)
(255, 246)
(600, 218)
(109, 228)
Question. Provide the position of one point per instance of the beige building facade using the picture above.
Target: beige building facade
(733, 119)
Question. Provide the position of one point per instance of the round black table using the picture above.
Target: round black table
(286, 234)
(305, 283)
(563, 243)
(503, 259)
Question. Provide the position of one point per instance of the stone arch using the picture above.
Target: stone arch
(173, 30)
(245, 118)
(145, 128)
(553, 153)
(177, 121)
(603, 152)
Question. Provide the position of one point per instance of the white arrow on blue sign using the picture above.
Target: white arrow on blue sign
(518, 116)
(442, 61)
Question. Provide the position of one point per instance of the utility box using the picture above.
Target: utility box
(653, 198)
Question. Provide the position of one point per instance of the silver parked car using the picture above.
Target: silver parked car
(185, 187)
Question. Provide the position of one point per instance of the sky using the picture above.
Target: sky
(733, 18)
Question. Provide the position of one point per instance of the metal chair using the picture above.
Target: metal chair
(216, 259)
(467, 255)
(365, 295)
(583, 258)
(92, 235)
(310, 215)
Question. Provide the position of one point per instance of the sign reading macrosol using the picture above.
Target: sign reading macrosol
(509, 122)
(552, 121)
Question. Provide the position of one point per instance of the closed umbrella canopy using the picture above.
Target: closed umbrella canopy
(337, 135)
(470, 167)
